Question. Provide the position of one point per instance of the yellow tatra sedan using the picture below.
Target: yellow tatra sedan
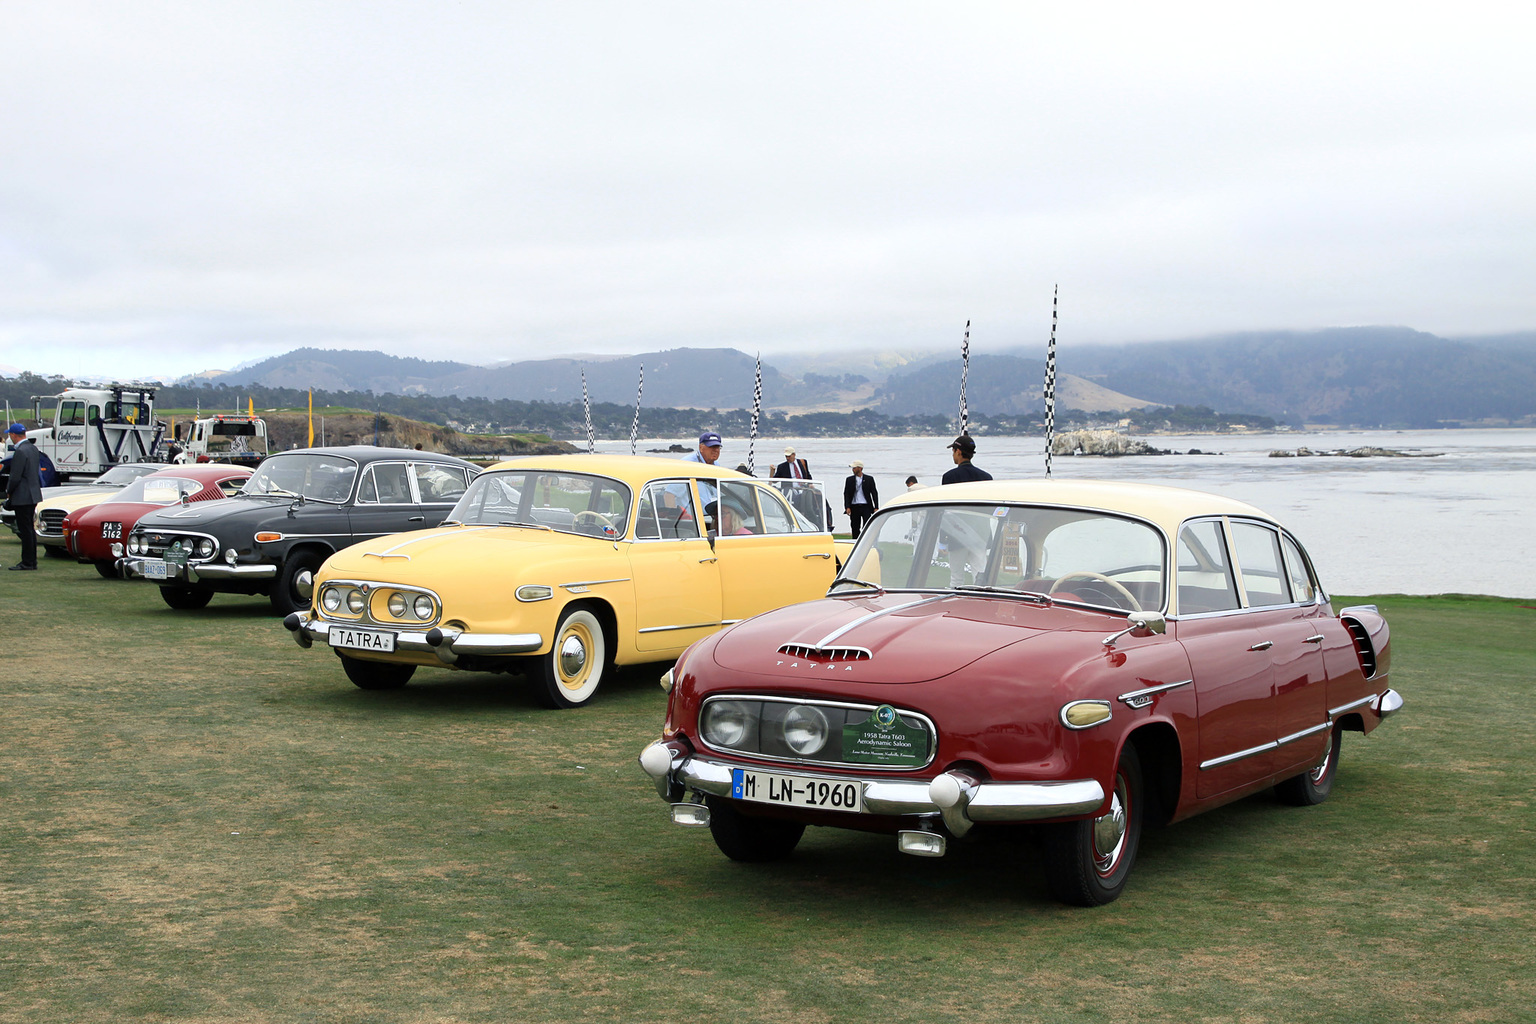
(563, 567)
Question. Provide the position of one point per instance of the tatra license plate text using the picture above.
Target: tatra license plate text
(361, 639)
(796, 790)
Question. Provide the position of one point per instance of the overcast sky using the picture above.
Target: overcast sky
(194, 185)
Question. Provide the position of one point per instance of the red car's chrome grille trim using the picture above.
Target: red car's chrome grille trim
(827, 653)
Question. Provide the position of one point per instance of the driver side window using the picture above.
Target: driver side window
(666, 512)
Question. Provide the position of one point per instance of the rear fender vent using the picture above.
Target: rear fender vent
(826, 653)
(1364, 649)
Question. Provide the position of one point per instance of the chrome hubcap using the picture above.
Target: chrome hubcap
(573, 656)
(1109, 833)
(304, 584)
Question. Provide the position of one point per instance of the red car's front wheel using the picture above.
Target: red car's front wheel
(1087, 862)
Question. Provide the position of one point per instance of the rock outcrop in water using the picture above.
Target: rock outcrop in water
(1365, 452)
(1100, 442)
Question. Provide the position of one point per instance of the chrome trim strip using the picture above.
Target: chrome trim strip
(1293, 737)
(593, 583)
(856, 623)
(216, 571)
(1336, 712)
(416, 642)
(669, 629)
(1149, 691)
(992, 801)
(1216, 762)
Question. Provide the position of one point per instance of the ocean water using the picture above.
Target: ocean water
(1461, 521)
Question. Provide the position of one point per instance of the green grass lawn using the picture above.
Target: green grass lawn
(203, 822)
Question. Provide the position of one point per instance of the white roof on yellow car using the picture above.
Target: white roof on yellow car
(631, 469)
(1165, 506)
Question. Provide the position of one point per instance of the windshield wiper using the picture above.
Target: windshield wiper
(531, 526)
(1028, 595)
(855, 579)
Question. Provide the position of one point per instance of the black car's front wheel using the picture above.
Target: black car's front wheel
(376, 675)
(295, 582)
(1087, 862)
(748, 839)
(187, 599)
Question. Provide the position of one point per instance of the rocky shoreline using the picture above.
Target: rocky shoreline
(1364, 452)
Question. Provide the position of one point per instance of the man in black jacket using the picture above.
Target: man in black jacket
(962, 448)
(23, 490)
(792, 468)
(860, 498)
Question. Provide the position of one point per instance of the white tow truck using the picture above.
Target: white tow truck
(95, 429)
(233, 438)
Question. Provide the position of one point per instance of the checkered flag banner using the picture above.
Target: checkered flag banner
(586, 405)
(634, 428)
(757, 408)
(1050, 385)
(965, 373)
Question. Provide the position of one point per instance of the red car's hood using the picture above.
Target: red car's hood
(909, 638)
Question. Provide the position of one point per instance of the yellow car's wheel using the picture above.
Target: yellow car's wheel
(573, 669)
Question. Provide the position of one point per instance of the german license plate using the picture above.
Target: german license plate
(154, 569)
(362, 639)
(111, 531)
(797, 790)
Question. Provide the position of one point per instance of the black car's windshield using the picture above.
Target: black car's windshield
(1071, 555)
(567, 502)
(300, 475)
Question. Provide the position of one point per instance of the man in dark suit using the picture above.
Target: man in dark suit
(860, 498)
(23, 490)
(792, 468)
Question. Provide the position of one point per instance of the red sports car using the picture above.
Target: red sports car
(96, 534)
(1082, 657)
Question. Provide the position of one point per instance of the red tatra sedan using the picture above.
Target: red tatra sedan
(96, 534)
(1081, 657)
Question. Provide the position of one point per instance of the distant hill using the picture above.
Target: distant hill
(1361, 376)
(996, 385)
(1356, 376)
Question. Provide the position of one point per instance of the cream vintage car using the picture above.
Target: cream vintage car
(563, 567)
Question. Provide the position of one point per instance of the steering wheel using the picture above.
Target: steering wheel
(1085, 574)
(597, 519)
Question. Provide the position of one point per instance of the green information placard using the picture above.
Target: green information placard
(883, 738)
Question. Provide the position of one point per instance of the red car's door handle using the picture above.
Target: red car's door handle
(1319, 638)
(1262, 645)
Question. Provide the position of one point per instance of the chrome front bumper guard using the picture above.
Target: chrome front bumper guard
(130, 567)
(448, 644)
(961, 800)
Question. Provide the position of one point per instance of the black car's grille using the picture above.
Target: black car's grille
(160, 542)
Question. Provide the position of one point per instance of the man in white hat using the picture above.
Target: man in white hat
(860, 498)
(792, 468)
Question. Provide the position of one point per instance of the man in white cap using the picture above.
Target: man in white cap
(860, 498)
(792, 468)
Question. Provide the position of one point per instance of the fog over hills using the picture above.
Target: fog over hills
(1366, 376)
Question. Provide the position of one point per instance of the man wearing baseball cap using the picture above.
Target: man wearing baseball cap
(962, 448)
(708, 453)
(23, 490)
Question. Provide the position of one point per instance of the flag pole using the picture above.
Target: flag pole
(757, 408)
(1050, 386)
(634, 428)
(586, 404)
(965, 373)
